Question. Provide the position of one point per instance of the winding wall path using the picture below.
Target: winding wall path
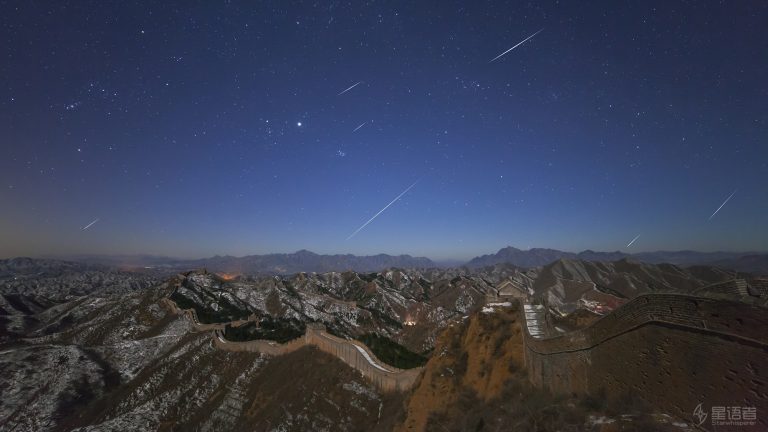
(351, 352)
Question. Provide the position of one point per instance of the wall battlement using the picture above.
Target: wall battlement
(674, 351)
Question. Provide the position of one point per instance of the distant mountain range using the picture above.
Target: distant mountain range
(538, 257)
(23, 266)
(306, 261)
(750, 262)
(290, 263)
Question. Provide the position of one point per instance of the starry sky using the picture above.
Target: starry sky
(196, 128)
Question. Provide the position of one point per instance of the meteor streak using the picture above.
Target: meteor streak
(723, 204)
(518, 44)
(382, 210)
(633, 240)
(361, 125)
(350, 88)
(89, 225)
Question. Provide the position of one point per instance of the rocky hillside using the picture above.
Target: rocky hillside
(756, 264)
(476, 381)
(36, 296)
(119, 362)
(94, 349)
(87, 348)
(568, 285)
(409, 307)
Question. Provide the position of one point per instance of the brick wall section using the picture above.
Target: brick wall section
(734, 287)
(192, 315)
(673, 351)
(385, 377)
(760, 286)
(267, 347)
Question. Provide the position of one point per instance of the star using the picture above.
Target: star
(298, 124)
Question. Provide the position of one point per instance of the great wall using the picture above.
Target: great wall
(673, 351)
(667, 349)
(351, 352)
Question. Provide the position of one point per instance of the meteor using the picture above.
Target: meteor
(723, 204)
(350, 88)
(633, 240)
(361, 125)
(382, 210)
(89, 225)
(518, 44)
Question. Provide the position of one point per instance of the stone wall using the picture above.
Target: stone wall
(351, 352)
(759, 287)
(735, 288)
(358, 356)
(268, 347)
(192, 316)
(673, 351)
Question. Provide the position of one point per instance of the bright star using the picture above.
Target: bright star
(298, 124)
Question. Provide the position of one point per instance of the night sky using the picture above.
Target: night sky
(197, 128)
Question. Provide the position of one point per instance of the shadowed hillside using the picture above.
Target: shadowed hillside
(477, 381)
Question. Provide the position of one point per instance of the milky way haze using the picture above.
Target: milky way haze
(238, 127)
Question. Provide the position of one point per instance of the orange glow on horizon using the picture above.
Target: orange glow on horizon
(227, 276)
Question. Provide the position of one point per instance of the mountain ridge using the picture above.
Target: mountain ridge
(753, 262)
(304, 260)
(274, 263)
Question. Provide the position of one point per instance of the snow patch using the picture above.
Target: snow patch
(370, 360)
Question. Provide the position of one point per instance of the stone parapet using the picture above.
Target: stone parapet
(674, 351)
